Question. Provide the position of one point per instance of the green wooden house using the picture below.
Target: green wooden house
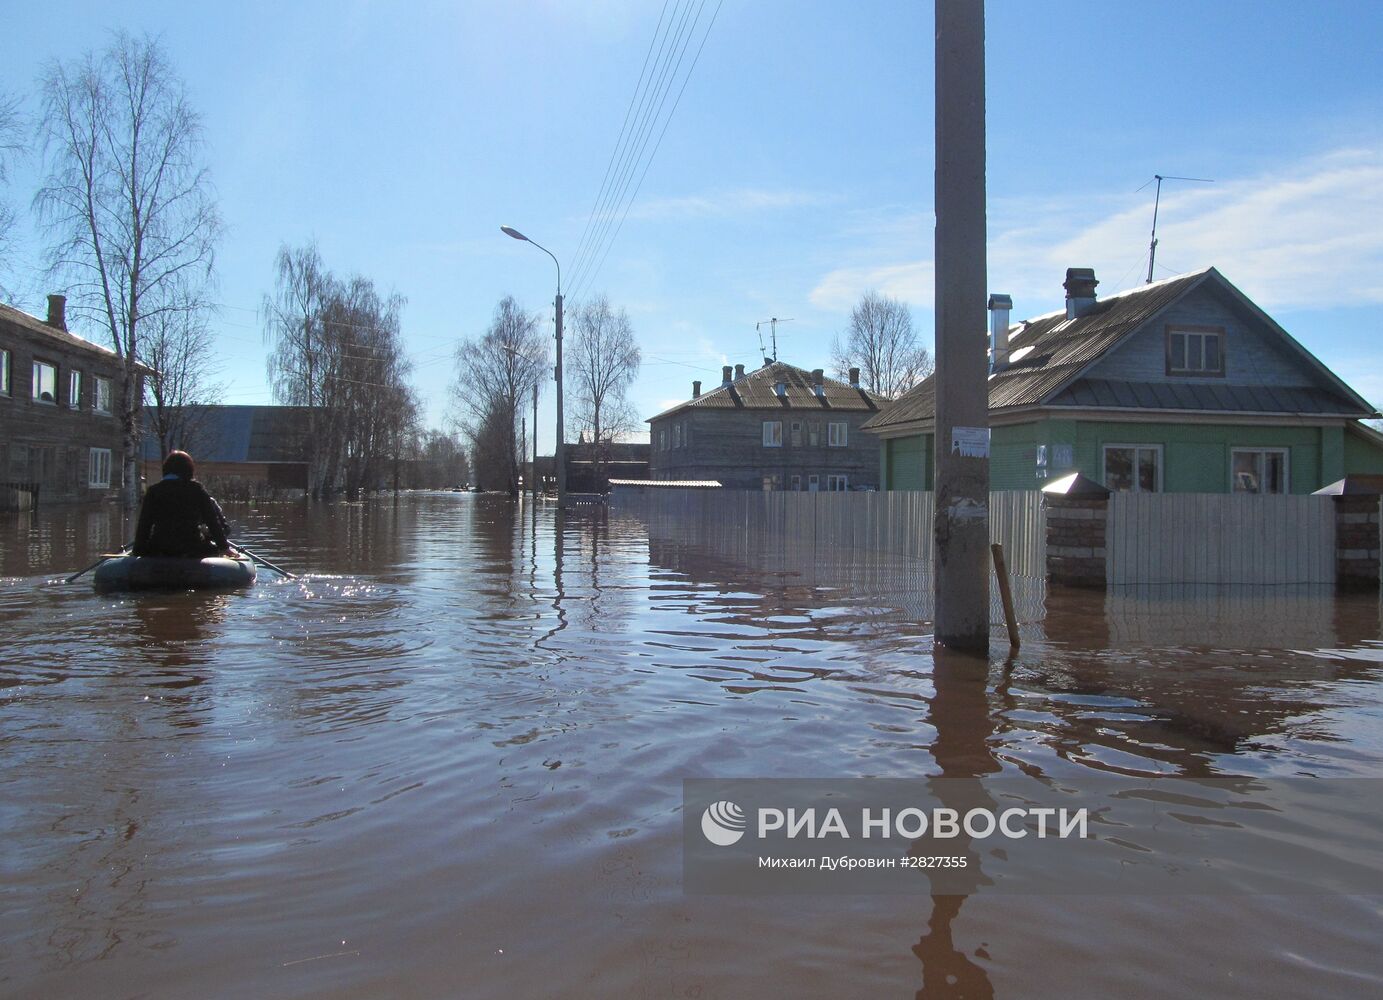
(1182, 385)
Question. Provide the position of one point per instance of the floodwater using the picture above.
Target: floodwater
(448, 762)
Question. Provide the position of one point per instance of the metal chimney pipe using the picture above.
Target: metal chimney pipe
(999, 308)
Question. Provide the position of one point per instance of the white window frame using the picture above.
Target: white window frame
(74, 388)
(37, 385)
(1197, 335)
(1104, 464)
(837, 434)
(797, 484)
(773, 433)
(1286, 454)
(837, 483)
(677, 435)
(813, 483)
(98, 468)
(101, 391)
(5, 373)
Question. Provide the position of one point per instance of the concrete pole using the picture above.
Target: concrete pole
(961, 568)
(558, 449)
(535, 483)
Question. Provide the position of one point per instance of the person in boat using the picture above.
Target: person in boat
(178, 517)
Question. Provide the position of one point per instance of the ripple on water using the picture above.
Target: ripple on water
(464, 731)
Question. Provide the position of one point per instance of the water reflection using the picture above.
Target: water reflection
(960, 716)
(457, 744)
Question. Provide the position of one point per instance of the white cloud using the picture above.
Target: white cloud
(1307, 236)
(841, 289)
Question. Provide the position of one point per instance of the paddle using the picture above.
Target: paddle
(112, 555)
(264, 562)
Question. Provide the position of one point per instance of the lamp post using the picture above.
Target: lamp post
(557, 456)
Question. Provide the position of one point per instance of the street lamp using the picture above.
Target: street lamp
(558, 458)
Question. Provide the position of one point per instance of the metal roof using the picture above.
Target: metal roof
(66, 337)
(266, 434)
(757, 390)
(1050, 352)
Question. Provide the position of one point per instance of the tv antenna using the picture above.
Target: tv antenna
(1152, 246)
(773, 331)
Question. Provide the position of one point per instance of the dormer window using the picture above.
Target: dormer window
(1196, 350)
(780, 389)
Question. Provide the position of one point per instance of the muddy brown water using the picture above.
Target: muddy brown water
(448, 762)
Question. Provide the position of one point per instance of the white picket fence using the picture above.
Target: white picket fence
(1199, 538)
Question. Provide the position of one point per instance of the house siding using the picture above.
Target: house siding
(907, 463)
(1362, 456)
(1195, 457)
(1250, 357)
(48, 444)
(727, 445)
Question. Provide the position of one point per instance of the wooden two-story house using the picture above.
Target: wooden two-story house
(776, 428)
(1182, 385)
(59, 433)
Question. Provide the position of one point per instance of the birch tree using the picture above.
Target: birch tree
(11, 147)
(178, 347)
(495, 374)
(338, 352)
(128, 203)
(603, 362)
(295, 324)
(883, 345)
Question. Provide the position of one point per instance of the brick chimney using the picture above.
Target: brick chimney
(57, 311)
(725, 375)
(1080, 291)
(854, 378)
(739, 372)
(696, 390)
(818, 377)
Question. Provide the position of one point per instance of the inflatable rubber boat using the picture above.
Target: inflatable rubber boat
(155, 573)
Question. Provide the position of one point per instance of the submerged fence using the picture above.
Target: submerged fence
(1197, 538)
(869, 543)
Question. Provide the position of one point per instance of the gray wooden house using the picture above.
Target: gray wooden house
(60, 436)
(777, 428)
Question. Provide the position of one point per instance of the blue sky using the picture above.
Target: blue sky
(795, 174)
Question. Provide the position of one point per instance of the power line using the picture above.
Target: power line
(587, 271)
(630, 158)
(609, 167)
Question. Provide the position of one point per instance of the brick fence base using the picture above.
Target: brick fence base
(1356, 542)
(1076, 540)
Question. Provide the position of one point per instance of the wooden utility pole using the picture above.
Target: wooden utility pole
(961, 570)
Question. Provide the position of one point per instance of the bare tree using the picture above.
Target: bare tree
(494, 375)
(178, 347)
(603, 363)
(441, 461)
(295, 323)
(128, 202)
(11, 147)
(338, 352)
(882, 344)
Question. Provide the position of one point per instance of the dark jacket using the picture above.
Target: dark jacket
(179, 518)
